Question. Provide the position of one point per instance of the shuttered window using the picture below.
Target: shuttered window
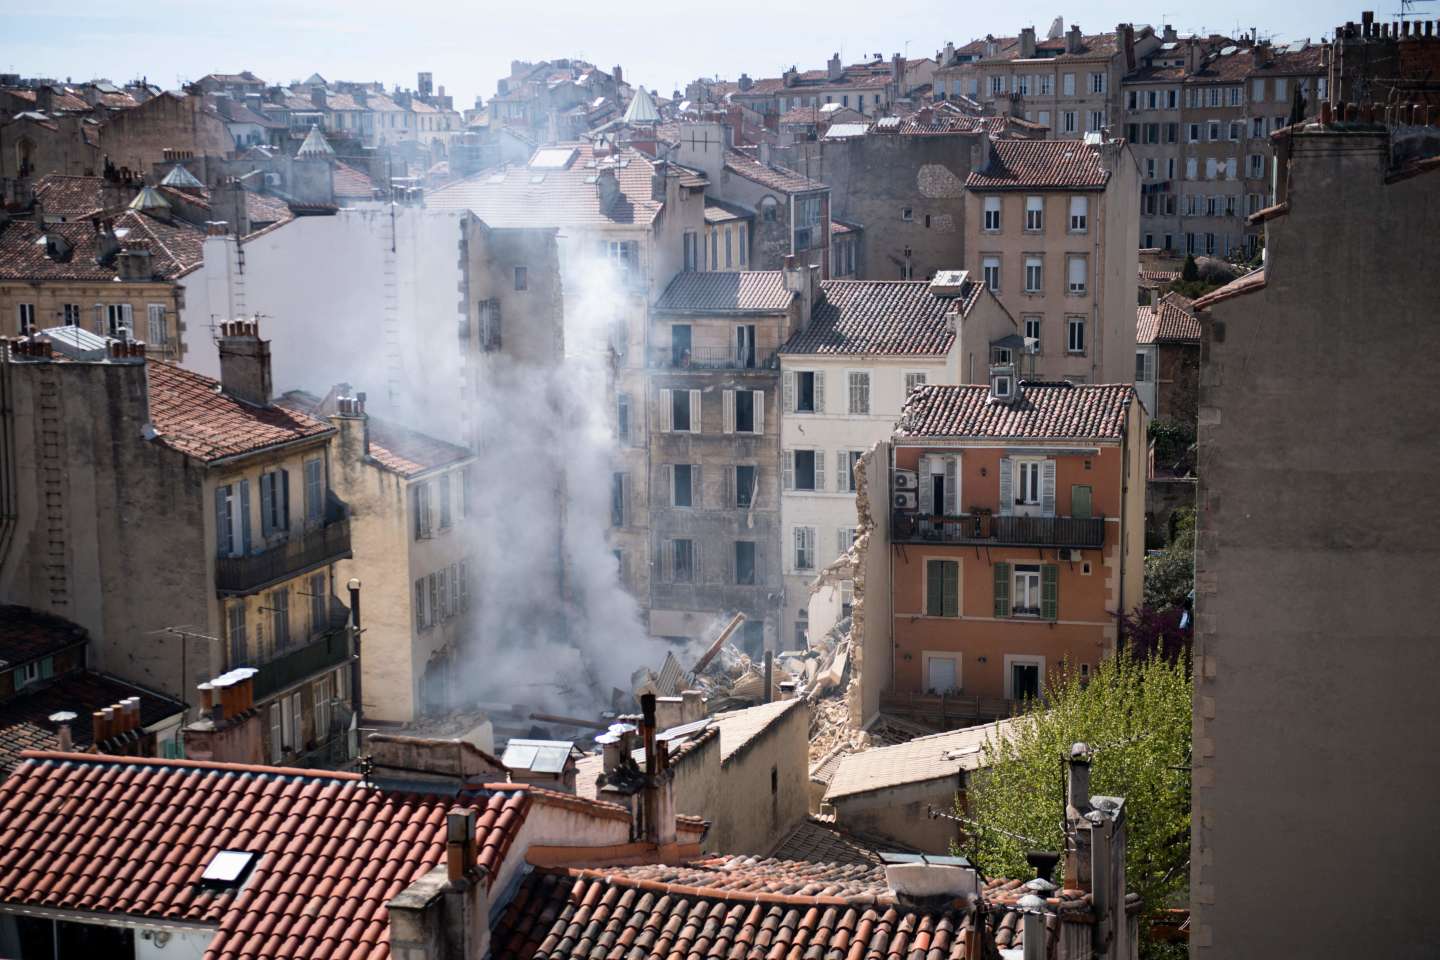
(274, 502)
(1049, 592)
(314, 489)
(1002, 589)
(942, 588)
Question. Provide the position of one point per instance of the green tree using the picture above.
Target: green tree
(1135, 715)
(1170, 577)
(1191, 271)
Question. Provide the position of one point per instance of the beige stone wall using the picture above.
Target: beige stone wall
(138, 137)
(765, 787)
(92, 299)
(902, 812)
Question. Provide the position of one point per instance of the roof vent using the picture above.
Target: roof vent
(227, 870)
(923, 883)
(949, 283)
(1004, 385)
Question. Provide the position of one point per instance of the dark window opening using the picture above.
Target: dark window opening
(744, 486)
(522, 279)
(680, 410)
(680, 344)
(745, 411)
(682, 485)
(745, 562)
(805, 392)
(805, 470)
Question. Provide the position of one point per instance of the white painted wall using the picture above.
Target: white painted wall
(178, 944)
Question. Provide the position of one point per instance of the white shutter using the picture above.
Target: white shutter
(664, 411)
(758, 404)
(788, 384)
(819, 393)
(694, 411)
(667, 477)
(727, 493)
(952, 486)
(819, 469)
(100, 319)
(696, 488)
(1047, 488)
(667, 561)
(927, 489)
(1007, 490)
(728, 411)
(841, 483)
(840, 545)
(789, 469)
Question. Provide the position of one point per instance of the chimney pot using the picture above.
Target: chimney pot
(62, 722)
(459, 843)
(97, 727)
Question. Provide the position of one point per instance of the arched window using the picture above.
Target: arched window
(24, 157)
(769, 209)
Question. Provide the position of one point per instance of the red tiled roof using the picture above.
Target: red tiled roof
(352, 183)
(718, 211)
(1041, 164)
(1171, 320)
(73, 198)
(26, 634)
(771, 176)
(105, 835)
(193, 416)
(723, 292)
(524, 196)
(819, 839)
(1008, 48)
(62, 100)
(1252, 281)
(887, 317)
(175, 248)
(394, 447)
(1044, 411)
(25, 720)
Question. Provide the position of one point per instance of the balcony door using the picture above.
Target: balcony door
(745, 346)
(1023, 677)
(680, 344)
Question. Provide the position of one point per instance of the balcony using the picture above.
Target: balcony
(714, 358)
(304, 550)
(987, 530)
(322, 652)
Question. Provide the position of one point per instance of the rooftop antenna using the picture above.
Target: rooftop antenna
(1407, 8)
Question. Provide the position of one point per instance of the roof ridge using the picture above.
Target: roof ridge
(713, 893)
(209, 766)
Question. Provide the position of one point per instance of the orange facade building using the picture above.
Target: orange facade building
(1016, 533)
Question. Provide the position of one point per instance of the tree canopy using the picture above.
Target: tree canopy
(1135, 715)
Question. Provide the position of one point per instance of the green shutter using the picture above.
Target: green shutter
(1049, 591)
(934, 589)
(47, 668)
(1080, 501)
(950, 570)
(1002, 589)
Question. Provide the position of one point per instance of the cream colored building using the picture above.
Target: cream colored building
(846, 376)
(1051, 227)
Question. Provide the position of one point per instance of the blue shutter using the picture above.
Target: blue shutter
(223, 544)
(267, 501)
(284, 500)
(245, 517)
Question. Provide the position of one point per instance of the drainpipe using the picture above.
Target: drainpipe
(355, 675)
(8, 516)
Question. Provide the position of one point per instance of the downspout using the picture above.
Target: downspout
(8, 518)
(889, 569)
(1125, 446)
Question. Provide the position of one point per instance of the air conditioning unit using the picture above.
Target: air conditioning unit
(904, 500)
(1069, 553)
(906, 480)
(272, 179)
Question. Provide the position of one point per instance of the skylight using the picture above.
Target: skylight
(553, 158)
(227, 869)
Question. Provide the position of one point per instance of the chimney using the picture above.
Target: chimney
(317, 97)
(616, 746)
(1106, 827)
(607, 188)
(897, 71)
(657, 805)
(1261, 53)
(1077, 805)
(1027, 43)
(133, 261)
(1074, 40)
(459, 844)
(44, 99)
(1032, 933)
(745, 83)
(834, 70)
(245, 362)
(97, 728)
(62, 730)
(352, 423)
(228, 204)
(1127, 31)
(618, 74)
(692, 706)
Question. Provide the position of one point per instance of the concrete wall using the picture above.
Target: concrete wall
(60, 147)
(763, 790)
(138, 137)
(1314, 642)
(903, 813)
(872, 620)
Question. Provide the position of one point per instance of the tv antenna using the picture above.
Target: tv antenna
(1407, 8)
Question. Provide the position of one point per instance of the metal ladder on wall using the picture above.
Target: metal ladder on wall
(52, 486)
(394, 361)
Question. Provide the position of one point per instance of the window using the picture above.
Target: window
(1067, 84)
(1043, 118)
(119, 321)
(446, 520)
(691, 249)
(1257, 166)
(744, 244)
(745, 410)
(807, 470)
(1022, 85)
(914, 381)
(277, 603)
(1035, 214)
(232, 519)
(805, 391)
(714, 248)
(1047, 84)
(1079, 214)
(1149, 168)
(1097, 121)
(1212, 97)
(522, 279)
(1172, 132)
(746, 479)
(617, 499)
(314, 490)
(277, 737)
(992, 214)
(1034, 275)
(991, 267)
(422, 511)
(680, 337)
(680, 411)
(729, 249)
(26, 312)
(156, 328)
(489, 325)
(768, 211)
(1237, 130)
(859, 392)
(683, 560)
(1076, 339)
(274, 502)
(1194, 133)
(1257, 89)
(1032, 328)
(804, 548)
(1077, 270)
(72, 314)
(907, 214)
(622, 418)
(745, 562)
(1097, 83)
(1067, 123)
(422, 619)
(845, 462)
(319, 601)
(997, 84)
(1026, 591)
(942, 588)
(682, 490)
(1132, 100)
(322, 694)
(1281, 92)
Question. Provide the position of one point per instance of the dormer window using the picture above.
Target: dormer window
(1002, 387)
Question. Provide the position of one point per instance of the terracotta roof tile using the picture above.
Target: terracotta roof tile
(394, 447)
(1171, 320)
(888, 317)
(724, 292)
(1252, 281)
(74, 198)
(1041, 164)
(820, 840)
(772, 176)
(1044, 411)
(175, 248)
(940, 756)
(193, 416)
(159, 823)
(352, 184)
(26, 634)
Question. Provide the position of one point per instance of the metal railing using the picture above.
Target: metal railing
(322, 652)
(302, 550)
(999, 530)
(714, 358)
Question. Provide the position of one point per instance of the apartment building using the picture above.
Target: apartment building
(1198, 114)
(1050, 228)
(222, 499)
(1167, 358)
(714, 390)
(869, 88)
(411, 525)
(870, 344)
(1047, 478)
(1069, 81)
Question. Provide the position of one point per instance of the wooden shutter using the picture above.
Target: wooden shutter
(284, 499)
(100, 319)
(694, 411)
(952, 486)
(819, 391)
(267, 500)
(696, 488)
(224, 539)
(1047, 488)
(727, 486)
(1002, 589)
(665, 402)
(276, 746)
(287, 722)
(950, 587)
(789, 469)
(819, 470)
(842, 482)
(1081, 503)
(757, 406)
(728, 411)
(1007, 486)
(927, 489)
(1049, 591)
(934, 589)
(667, 479)
(787, 380)
(245, 517)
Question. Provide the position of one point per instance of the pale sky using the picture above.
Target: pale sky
(468, 47)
